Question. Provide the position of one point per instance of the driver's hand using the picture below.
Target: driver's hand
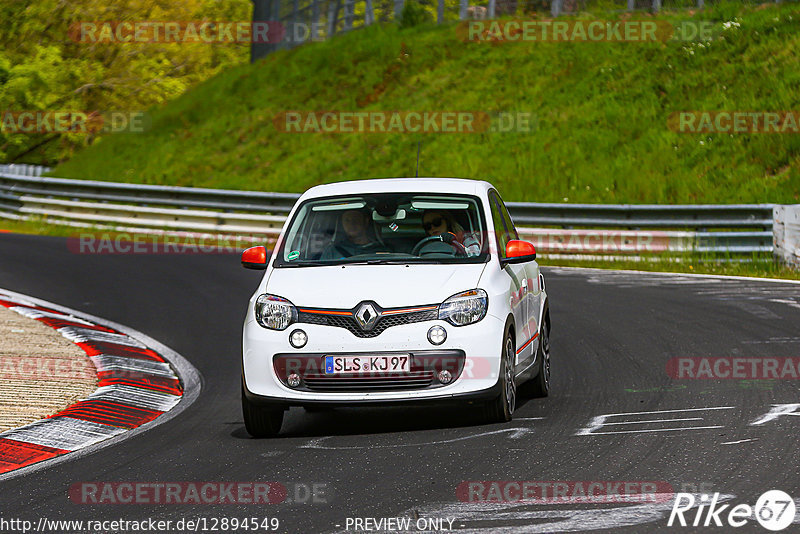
(448, 237)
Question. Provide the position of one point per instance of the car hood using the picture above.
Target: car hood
(388, 286)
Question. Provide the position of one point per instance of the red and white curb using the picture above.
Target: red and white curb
(141, 383)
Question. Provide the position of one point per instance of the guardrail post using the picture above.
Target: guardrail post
(440, 12)
(555, 7)
(700, 4)
(462, 9)
(369, 14)
(656, 6)
(333, 14)
(261, 14)
(348, 15)
(398, 10)
(631, 5)
(786, 234)
(314, 20)
(492, 8)
(295, 21)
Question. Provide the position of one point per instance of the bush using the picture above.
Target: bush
(414, 14)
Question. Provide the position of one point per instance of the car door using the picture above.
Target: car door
(533, 295)
(504, 232)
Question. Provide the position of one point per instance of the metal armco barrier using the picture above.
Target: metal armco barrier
(554, 228)
(787, 234)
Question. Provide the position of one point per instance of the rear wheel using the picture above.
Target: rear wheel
(502, 408)
(259, 421)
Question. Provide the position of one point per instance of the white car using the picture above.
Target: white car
(385, 291)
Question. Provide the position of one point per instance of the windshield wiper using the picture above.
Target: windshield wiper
(305, 263)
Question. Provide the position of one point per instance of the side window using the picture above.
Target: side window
(503, 234)
(512, 230)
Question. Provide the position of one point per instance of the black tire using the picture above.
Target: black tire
(501, 409)
(539, 386)
(261, 422)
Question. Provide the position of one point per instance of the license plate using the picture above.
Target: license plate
(393, 363)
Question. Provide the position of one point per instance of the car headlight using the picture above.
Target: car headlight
(275, 313)
(464, 308)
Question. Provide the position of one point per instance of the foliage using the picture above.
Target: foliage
(45, 67)
(600, 112)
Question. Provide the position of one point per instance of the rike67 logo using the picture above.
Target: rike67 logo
(774, 510)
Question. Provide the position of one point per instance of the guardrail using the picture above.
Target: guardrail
(554, 228)
(24, 169)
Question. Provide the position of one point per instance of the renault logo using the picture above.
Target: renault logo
(366, 316)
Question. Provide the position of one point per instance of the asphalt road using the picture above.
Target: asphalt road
(612, 336)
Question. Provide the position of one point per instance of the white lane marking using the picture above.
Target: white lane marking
(317, 443)
(776, 411)
(740, 441)
(133, 396)
(38, 314)
(63, 433)
(525, 518)
(674, 411)
(601, 421)
(653, 430)
(82, 335)
(708, 277)
(784, 339)
(131, 366)
(788, 302)
(654, 421)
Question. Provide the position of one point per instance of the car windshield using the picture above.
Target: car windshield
(386, 228)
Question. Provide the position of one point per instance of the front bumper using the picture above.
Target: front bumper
(479, 343)
(458, 399)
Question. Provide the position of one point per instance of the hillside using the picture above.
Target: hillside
(600, 115)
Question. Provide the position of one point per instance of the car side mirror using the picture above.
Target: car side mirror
(518, 251)
(255, 258)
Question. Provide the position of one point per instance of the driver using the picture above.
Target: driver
(442, 222)
(359, 237)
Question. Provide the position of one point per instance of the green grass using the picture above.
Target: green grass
(36, 226)
(601, 132)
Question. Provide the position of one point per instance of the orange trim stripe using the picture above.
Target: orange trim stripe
(528, 342)
(324, 312)
(408, 310)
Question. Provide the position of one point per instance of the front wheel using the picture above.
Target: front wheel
(261, 422)
(501, 409)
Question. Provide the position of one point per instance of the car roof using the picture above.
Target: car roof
(399, 185)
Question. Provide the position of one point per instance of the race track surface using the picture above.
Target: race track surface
(613, 335)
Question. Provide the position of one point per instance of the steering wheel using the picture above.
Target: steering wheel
(446, 237)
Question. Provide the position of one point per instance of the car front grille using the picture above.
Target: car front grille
(387, 319)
